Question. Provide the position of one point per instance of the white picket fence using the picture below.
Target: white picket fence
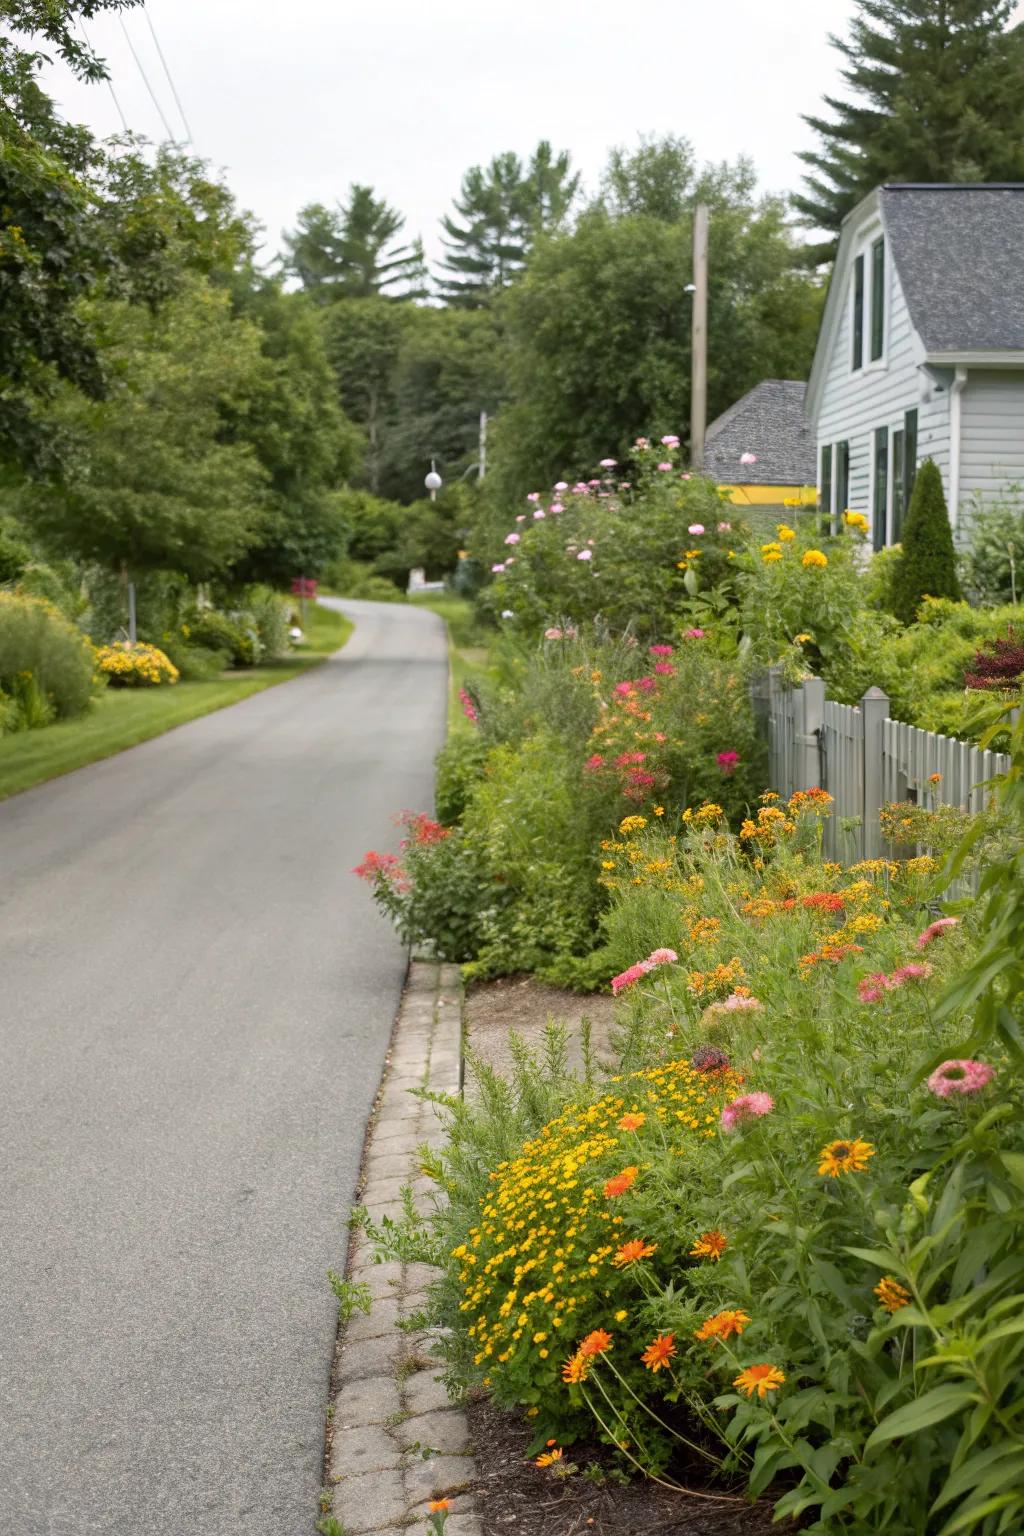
(864, 759)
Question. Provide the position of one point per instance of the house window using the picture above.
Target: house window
(825, 481)
(877, 300)
(858, 313)
(880, 497)
(899, 480)
(909, 456)
(842, 483)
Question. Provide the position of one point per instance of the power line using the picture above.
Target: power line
(167, 72)
(145, 79)
(109, 82)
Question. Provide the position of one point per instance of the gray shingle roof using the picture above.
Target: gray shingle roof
(768, 421)
(959, 251)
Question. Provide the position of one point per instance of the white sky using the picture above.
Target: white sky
(295, 101)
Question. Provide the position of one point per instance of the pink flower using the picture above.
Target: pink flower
(585, 554)
(521, 517)
(556, 506)
(552, 634)
(623, 689)
(728, 761)
(534, 496)
(660, 650)
(561, 485)
(871, 989)
(646, 684)
(748, 458)
(642, 442)
(694, 634)
(664, 467)
(512, 538)
(594, 762)
(737, 1002)
(497, 569)
(670, 441)
(468, 707)
(379, 866)
(662, 957)
(628, 977)
(695, 528)
(665, 668)
(934, 929)
(960, 1077)
(607, 464)
(725, 527)
(539, 514)
(750, 1106)
(912, 972)
(625, 759)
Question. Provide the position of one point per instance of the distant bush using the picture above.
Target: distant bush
(270, 614)
(136, 666)
(928, 565)
(994, 562)
(46, 664)
(215, 631)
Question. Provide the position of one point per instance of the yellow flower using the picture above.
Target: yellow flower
(814, 559)
(630, 824)
(785, 532)
(856, 520)
(891, 1295)
(801, 639)
(771, 556)
(845, 1157)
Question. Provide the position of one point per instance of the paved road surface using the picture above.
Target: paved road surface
(195, 998)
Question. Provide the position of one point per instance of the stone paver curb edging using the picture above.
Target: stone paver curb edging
(389, 1406)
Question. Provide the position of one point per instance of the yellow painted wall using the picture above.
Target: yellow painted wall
(768, 495)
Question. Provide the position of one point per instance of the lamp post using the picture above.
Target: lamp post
(433, 482)
(699, 344)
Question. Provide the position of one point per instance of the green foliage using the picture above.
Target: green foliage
(936, 95)
(927, 567)
(236, 636)
(353, 1296)
(350, 251)
(14, 557)
(880, 576)
(799, 603)
(46, 663)
(994, 564)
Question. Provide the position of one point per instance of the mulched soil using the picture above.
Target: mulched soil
(525, 1005)
(517, 1497)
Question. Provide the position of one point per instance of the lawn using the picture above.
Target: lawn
(122, 717)
(468, 655)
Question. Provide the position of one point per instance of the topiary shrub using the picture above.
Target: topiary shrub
(46, 664)
(928, 566)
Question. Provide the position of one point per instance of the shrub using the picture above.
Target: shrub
(46, 664)
(434, 891)
(879, 577)
(928, 564)
(800, 596)
(269, 612)
(14, 557)
(994, 563)
(999, 665)
(135, 666)
(216, 631)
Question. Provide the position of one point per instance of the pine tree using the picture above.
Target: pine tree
(499, 213)
(349, 251)
(927, 566)
(937, 96)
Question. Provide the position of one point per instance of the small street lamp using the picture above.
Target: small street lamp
(433, 482)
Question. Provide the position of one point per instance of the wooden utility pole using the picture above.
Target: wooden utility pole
(699, 338)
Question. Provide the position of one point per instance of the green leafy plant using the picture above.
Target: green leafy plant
(927, 567)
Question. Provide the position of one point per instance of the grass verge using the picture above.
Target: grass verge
(123, 717)
(468, 652)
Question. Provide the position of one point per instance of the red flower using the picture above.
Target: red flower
(728, 761)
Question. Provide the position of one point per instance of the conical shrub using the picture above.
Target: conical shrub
(928, 564)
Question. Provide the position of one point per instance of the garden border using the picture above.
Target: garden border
(394, 1439)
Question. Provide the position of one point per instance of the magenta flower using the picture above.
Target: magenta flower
(585, 554)
(748, 458)
(871, 989)
(468, 708)
(662, 957)
(915, 971)
(660, 650)
(961, 1077)
(665, 668)
(935, 929)
(497, 569)
(552, 634)
(594, 762)
(626, 759)
(694, 634)
(728, 761)
(646, 684)
(627, 977)
(750, 1106)
(695, 528)
(623, 689)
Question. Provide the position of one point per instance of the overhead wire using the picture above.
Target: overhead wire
(167, 72)
(109, 82)
(145, 79)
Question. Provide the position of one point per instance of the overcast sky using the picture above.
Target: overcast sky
(294, 101)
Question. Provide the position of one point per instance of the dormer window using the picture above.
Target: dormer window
(868, 305)
(858, 312)
(877, 300)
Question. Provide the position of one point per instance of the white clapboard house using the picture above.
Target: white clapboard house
(921, 352)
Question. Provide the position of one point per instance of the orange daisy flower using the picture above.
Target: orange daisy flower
(759, 1379)
(710, 1245)
(436, 1505)
(576, 1369)
(891, 1294)
(658, 1354)
(723, 1325)
(632, 1252)
(631, 1122)
(621, 1182)
(595, 1343)
(845, 1157)
(548, 1458)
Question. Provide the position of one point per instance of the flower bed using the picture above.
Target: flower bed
(135, 666)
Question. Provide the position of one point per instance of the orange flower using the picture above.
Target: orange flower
(891, 1294)
(710, 1245)
(723, 1325)
(595, 1343)
(548, 1458)
(621, 1182)
(657, 1355)
(759, 1379)
(631, 1122)
(845, 1157)
(576, 1369)
(436, 1505)
(633, 1251)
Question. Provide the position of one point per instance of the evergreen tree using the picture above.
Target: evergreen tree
(498, 215)
(349, 251)
(927, 567)
(937, 95)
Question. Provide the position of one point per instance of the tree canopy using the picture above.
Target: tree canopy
(350, 251)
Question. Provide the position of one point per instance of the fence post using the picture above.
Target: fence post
(874, 711)
(808, 741)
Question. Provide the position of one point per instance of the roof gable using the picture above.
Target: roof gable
(769, 422)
